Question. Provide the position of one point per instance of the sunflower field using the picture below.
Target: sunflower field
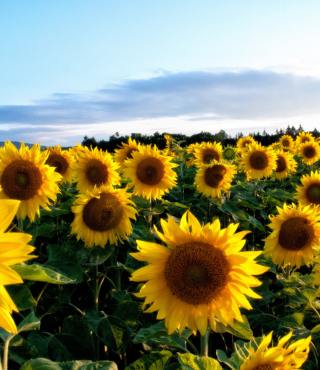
(197, 257)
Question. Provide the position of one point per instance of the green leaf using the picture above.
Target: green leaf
(151, 361)
(89, 365)
(237, 328)
(40, 364)
(22, 296)
(36, 272)
(156, 335)
(192, 362)
(30, 322)
(45, 364)
(315, 329)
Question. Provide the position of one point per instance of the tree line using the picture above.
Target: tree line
(158, 139)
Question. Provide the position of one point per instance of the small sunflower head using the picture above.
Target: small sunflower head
(214, 179)
(243, 143)
(308, 193)
(294, 237)
(280, 356)
(208, 152)
(25, 176)
(286, 165)
(151, 172)
(61, 161)
(103, 216)
(286, 142)
(258, 161)
(229, 153)
(95, 168)
(309, 152)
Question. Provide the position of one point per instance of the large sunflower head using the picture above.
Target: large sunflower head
(205, 153)
(258, 161)
(14, 249)
(283, 356)
(303, 137)
(215, 178)
(61, 160)
(126, 150)
(294, 237)
(95, 168)
(308, 193)
(200, 277)
(286, 142)
(309, 152)
(243, 143)
(103, 216)
(151, 173)
(25, 176)
(286, 165)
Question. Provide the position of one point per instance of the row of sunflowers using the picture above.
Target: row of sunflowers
(122, 240)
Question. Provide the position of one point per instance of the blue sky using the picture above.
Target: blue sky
(77, 67)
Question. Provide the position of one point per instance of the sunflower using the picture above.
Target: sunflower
(308, 193)
(61, 160)
(169, 144)
(280, 357)
(190, 150)
(201, 278)
(211, 180)
(103, 216)
(125, 151)
(14, 249)
(25, 176)
(94, 168)
(286, 165)
(310, 152)
(205, 153)
(286, 142)
(244, 142)
(294, 237)
(152, 173)
(258, 161)
(229, 153)
(303, 137)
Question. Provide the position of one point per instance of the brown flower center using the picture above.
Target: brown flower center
(264, 367)
(96, 172)
(309, 151)
(281, 164)
(245, 143)
(214, 175)
(21, 180)
(130, 151)
(150, 171)
(102, 214)
(59, 162)
(258, 160)
(295, 233)
(285, 142)
(210, 154)
(304, 139)
(313, 193)
(196, 272)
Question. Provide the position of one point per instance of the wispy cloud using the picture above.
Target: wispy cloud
(170, 101)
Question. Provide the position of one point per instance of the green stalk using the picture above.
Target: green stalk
(6, 352)
(204, 344)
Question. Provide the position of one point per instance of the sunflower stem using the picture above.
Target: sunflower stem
(150, 214)
(6, 352)
(204, 344)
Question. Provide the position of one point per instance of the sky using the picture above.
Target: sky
(77, 67)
